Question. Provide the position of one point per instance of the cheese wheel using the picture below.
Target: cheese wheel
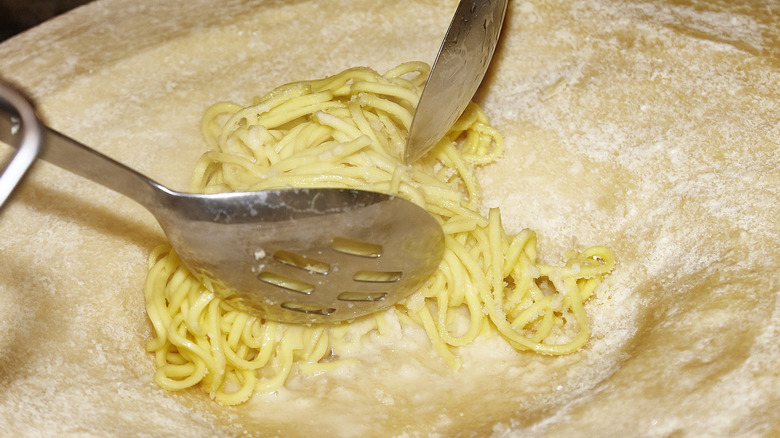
(648, 126)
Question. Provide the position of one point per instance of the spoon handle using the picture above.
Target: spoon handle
(69, 154)
(28, 132)
(75, 157)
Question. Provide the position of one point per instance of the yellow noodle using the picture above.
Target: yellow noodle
(348, 130)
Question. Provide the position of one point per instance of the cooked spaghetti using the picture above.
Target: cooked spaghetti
(349, 130)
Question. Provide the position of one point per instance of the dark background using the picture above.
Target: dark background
(19, 15)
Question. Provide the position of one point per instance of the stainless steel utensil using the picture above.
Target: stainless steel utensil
(459, 68)
(303, 256)
(297, 255)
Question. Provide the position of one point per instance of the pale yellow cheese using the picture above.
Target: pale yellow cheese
(648, 126)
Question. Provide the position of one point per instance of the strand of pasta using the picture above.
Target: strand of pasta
(348, 130)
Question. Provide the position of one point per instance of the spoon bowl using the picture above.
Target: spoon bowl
(457, 72)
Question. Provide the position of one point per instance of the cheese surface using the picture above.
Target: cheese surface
(650, 127)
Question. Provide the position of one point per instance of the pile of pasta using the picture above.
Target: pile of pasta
(349, 130)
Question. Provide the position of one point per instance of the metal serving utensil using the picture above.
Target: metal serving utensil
(459, 68)
(295, 255)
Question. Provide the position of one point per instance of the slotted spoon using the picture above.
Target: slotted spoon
(295, 255)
